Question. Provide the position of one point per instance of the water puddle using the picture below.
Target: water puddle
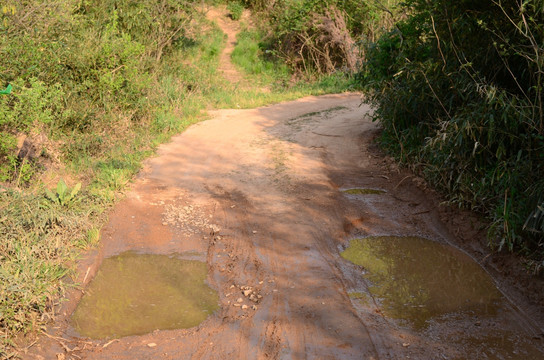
(417, 280)
(363, 191)
(134, 294)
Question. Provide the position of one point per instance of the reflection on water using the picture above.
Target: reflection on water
(134, 294)
(417, 279)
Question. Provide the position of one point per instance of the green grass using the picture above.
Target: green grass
(251, 57)
(236, 9)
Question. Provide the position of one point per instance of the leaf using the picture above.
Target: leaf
(7, 90)
(75, 190)
(61, 190)
(51, 196)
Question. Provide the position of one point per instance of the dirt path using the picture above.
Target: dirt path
(257, 195)
(231, 28)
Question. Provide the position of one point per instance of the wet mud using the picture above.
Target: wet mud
(363, 191)
(432, 288)
(418, 280)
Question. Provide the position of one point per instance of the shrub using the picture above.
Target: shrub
(458, 89)
(323, 36)
(236, 9)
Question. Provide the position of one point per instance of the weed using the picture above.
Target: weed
(64, 195)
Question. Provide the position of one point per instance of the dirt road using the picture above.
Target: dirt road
(256, 194)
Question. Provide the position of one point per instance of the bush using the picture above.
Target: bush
(322, 36)
(236, 9)
(458, 89)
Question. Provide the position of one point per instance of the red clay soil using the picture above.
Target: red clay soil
(257, 194)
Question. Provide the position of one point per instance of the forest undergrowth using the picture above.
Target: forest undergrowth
(458, 89)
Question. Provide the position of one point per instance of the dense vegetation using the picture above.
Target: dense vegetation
(316, 36)
(458, 89)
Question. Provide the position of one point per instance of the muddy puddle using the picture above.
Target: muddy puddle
(417, 280)
(363, 191)
(436, 290)
(134, 294)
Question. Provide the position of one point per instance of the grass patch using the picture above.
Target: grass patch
(261, 66)
(41, 240)
(235, 9)
(250, 56)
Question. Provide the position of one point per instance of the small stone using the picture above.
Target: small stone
(254, 231)
(261, 282)
(244, 307)
(254, 307)
(247, 292)
(232, 286)
(405, 344)
(237, 305)
(240, 300)
(151, 345)
(165, 223)
(253, 298)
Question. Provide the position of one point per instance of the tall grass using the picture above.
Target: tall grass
(314, 36)
(458, 89)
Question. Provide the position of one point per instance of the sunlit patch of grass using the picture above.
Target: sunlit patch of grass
(37, 247)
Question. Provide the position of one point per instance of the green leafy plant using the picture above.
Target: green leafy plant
(64, 194)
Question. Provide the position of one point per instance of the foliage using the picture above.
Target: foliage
(34, 250)
(64, 195)
(236, 9)
(251, 55)
(322, 36)
(458, 89)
